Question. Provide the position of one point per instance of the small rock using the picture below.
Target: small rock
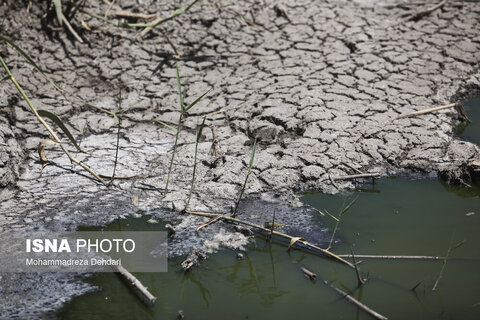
(468, 214)
(240, 256)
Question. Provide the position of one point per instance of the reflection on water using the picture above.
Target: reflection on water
(395, 217)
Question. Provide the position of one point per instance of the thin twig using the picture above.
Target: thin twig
(273, 223)
(116, 152)
(118, 122)
(356, 302)
(148, 29)
(239, 16)
(142, 25)
(353, 168)
(430, 110)
(371, 256)
(134, 15)
(462, 112)
(177, 55)
(138, 176)
(357, 176)
(420, 13)
(450, 249)
(109, 8)
(416, 286)
(209, 222)
(357, 272)
(333, 182)
(70, 28)
(224, 110)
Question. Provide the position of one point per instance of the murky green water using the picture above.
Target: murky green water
(393, 217)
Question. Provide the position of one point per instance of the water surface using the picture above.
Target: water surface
(392, 217)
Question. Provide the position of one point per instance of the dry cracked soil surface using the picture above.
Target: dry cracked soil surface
(320, 84)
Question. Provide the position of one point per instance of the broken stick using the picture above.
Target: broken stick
(356, 302)
(309, 274)
(70, 28)
(457, 105)
(136, 283)
(371, 256)
(358, 176)
(148, 29)
(333, 181)
(357, 271)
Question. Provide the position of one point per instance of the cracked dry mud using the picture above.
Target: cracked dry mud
(321, 93)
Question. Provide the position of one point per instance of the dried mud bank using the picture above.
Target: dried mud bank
(320, 87)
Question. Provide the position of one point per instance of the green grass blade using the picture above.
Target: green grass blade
(331, 215)
(19, 50)
(252, 155)
(170, 167)
(117, 121)
(199, 133)
(197, 140)
(166, 125)
(345, 209)
(175, 14)
(179, 85)
(30, 61)
(342, 211)
(60, 124)
(129, 107)
(58, 10)
(36, 67)
(198, 99)
(189, 6)
(114, 23)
